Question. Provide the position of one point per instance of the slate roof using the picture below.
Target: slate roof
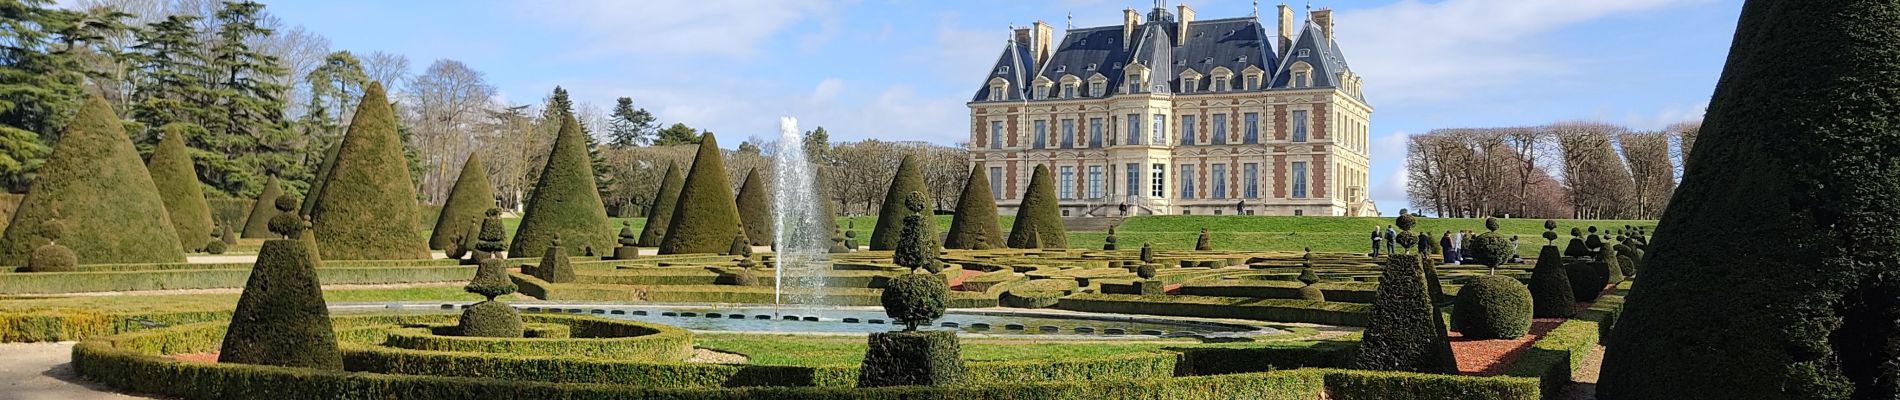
(1234, 43)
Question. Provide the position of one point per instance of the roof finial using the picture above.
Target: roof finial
(1256, 9)
(1070, 24)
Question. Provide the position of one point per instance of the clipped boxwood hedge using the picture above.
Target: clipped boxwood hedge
(589, 337)
(1275, 310)
(120, 281)
(844, 296)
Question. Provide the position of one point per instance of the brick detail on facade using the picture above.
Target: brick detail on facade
(1318, 168)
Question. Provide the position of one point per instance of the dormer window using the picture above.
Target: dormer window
(1220, 84)
(1060, 68)
(1068, 91)
(1188, 85)
(1002, 70)
(1253, 82)
(1117, 66)
(999, 90)
(1095, 88)
(1299, 80)
(1305, 52)
(1042, 93)
(1091, 67)
(1134, 83)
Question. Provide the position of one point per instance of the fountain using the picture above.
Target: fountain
(801, 232)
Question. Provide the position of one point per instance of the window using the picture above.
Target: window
(1250, 180)
(1134, 129)
(1134, 83)
(1095, 182)
(1250, 129)
(1068, 91)
(996, 134)
(1220, 129)
(1299, 179)
(1042, 134)
(1188, 85)
(1220, 84)
(1298, 212)
(1095, 89)
(1041, 92)
(1159, 175)
(1134, 179)
(1305, 52)
(1160, 130)
(1299, 80)
(996, 183)
(1187, 130)
(1219, 184)
(1065, 183)
(1187, 181)
(996, 92)
(1253, 82)
(1002, 70)
(1068, 134)
(1095, 133)
(1299, 125)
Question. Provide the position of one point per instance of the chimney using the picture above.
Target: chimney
(1041, 39)
(1130, 19)
(1324, 18)
(1181, 28)
(1286, 29)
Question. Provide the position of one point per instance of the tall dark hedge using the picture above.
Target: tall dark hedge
(367, 210)
(755, 209)
(1038, 219)
(1550, 286)
(705, 218)
(565, 202)
(323, 174)
(890, 216)
(1404, 333)
(178, 186)
(469, 199)
(105, 197)
(281, 318)
(660, 215)
(257, 225)
(976, 215)
(1772, 273)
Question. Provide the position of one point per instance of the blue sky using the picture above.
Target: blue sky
(903, 70)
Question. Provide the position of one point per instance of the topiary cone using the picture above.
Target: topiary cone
(110, 206)
(469, 199)
(554, 267)
(705, 218)
(1201, 242)
(323, 175)
(1550, 286)
(257, 224)
(565, 202)
(1404, 334)
(281, 318)
(890, 216)
(1038, 216)
(178, 187)
(661, 213)
(368, 210)
(755, 209)
(975, 221)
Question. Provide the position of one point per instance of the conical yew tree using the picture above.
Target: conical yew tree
(565, 202)
(705, 218)
(257, 225)
(323, 174)
(976, 214)
(755, 209)
(469, 199)
(1038, 216)
(106, 199)
(890, 216)
(1772, 274)
(367, 210)
(281, 319)
(661, 213)
(178, 186)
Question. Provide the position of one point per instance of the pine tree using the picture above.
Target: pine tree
(705, 214)
(755, 209)
(976, 214)
(661, 212)
(565, 202)
(890, 216)
(367, 210)
(1038, 216)
(677, 134)
(468, 200)
(178, 186)
(111, 207)
(630, 126)
(41, 82)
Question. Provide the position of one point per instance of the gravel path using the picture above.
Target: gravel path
(1583, 383)
(43, 371)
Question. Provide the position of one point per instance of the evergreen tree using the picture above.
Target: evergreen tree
(817, 144)
(41, 80)
(1772, 275)
(178, 187)
(335, 86)
(890, 216)
(323, 174)
(281, 318)
(1038, 222)
(468, 200)
(367, 210)
(257, 226)
(755, 210)
(630, 126)
(976, 214)
(914, 248)
(661, 212)
(677, 134)
(565, 201)
(112, 210)
(705, 214)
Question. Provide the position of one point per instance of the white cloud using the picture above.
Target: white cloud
(1388, 160)
(1414, 51)
(827, 90)
(1667, 115)
(730, 28)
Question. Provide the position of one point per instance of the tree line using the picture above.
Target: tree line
(1577, 169)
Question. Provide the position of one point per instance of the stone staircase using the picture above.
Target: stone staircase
(1089, 224)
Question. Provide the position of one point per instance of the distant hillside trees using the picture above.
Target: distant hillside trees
(1561, 170)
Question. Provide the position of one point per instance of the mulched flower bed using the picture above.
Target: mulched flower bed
(1490, 357)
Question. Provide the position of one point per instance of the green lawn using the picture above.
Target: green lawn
(818, 351)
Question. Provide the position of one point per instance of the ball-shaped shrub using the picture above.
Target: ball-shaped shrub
(52, 257)
(286, 222)
(1308, 277)
(1491, 224)
(1312, 292)
(1492, 307)
(1405, 220)
(491, 319)
(914, 299)
(1147, 254)
(745, 277)
(1491, 249)
(1145, 271)
(491, 279)
(215, 247)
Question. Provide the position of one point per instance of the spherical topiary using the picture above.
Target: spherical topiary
(1405, 220)
(52, 257)
(914, 299)
(1145, 271)
(215, 247)
(1577, 247)
(1491, 249)
(1108, 243)
(491, 280)
(1550, 231)
(287, 223)
(1406, 239)
(1492, 307)
(490, 319)
(1551, 295)
(1147, 253)
(1312, 292)
(1307, 276)
(1491, 224)
(53, 229)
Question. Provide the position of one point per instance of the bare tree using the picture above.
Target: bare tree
(945, 171)
(447, 101)
(1599, 184)
(1653, 176)
(1684, 134)
(390, 69)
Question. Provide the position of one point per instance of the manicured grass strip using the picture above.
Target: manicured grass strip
(1276, 310)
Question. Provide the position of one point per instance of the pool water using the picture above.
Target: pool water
(790, 319)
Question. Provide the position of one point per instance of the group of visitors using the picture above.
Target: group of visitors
(1455, 247)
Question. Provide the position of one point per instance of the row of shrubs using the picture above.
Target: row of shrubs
(1554, 357)
(1274, 310)
(120, 281)
(1350, 292)
(537, 288)
(56, 325)
(588, 337)
(246, 266)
